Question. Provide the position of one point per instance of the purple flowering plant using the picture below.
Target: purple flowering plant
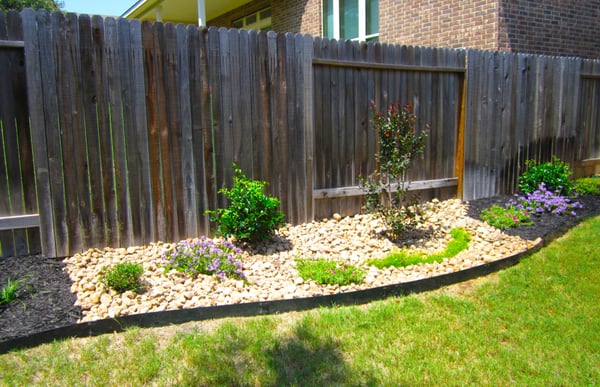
(543, 200)
(205, 256)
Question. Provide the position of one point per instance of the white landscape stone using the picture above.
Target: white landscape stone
(271, 269)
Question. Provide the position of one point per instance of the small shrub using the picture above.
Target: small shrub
(252, 215)
(459, 242)
(543, 200)
(123, 277)
(326, 272)
(387, 187)
(205, 256)
(505, 217)
(588, 186)
(555, 175)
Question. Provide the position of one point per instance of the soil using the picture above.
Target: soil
(45, 300)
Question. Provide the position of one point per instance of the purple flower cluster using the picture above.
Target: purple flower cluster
(542, 200)
(205, 256)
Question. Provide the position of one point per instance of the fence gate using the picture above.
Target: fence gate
(19, 221)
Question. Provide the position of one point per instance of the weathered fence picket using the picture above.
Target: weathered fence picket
(135, 126)
(18, 207)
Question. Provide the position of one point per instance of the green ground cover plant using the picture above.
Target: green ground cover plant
(252, 215)
(122, 277)
(588, 186)
(459, 242)
(205, 256)
(536, 323)
(329, 272)
(505, 217)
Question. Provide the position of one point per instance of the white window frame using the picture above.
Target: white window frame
(362, 21)
(259, 24)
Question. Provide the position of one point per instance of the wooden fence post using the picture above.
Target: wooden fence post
(309, 126)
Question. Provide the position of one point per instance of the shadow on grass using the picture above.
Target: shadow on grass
(309, 358)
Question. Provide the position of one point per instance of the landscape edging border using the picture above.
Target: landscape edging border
(179, 316)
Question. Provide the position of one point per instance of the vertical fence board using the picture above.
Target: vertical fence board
(7, 242)
(116, 130)
(189, 206)
(171, 133)
(38, 133)
(200, 123)
(68, 134)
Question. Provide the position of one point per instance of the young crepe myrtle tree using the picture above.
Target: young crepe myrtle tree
(399, 146)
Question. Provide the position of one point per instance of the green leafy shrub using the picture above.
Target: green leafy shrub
(252, 215)
(387, 187)
(505, 217)
(588, 186)
(123, 277)
(205, 256)
(327, 272)
(459, 242)
(554, 174)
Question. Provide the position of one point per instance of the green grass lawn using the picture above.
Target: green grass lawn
(536, 324)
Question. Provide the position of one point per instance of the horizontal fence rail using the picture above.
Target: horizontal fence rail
(135, 125)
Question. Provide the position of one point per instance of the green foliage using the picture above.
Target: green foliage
(459, 242)
(204, 256)
(123, 277)
(252, 215)
(8, 293)
(327, 272)
(18, 5)
(505, 217)
(554, 174)
(588, 186)
(387, 187)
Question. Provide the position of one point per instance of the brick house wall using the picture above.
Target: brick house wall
(302, 16)
(551, 27)
(439, 23)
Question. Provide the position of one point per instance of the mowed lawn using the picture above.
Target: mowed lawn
(537, 323)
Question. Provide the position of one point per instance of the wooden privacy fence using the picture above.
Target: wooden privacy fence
(522, 107)
(135, 126)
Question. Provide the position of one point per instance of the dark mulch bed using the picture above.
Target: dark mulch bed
(46, 301)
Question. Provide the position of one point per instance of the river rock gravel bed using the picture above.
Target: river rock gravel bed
(271, 267)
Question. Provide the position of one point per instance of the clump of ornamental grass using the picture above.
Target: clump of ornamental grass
(10, 291)
(543, 200)
(205, 256)
(459, 242)
(328, 272)
(123, 277)
(505, 217)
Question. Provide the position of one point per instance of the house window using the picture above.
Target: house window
(260, 20)
(351, 19)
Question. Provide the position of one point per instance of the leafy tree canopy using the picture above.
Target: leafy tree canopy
(17, 5)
